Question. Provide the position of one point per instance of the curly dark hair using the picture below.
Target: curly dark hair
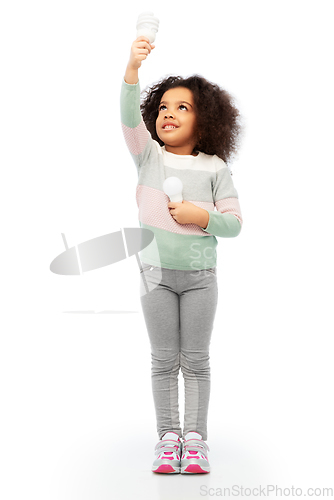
(218, 120)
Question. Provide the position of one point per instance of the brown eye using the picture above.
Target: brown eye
(162, 106)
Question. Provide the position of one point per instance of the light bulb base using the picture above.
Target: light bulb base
(176, 198)
(148, 33)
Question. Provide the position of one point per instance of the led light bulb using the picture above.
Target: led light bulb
(147, 25)
(173, 186)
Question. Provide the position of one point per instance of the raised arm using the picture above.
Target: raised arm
(137, 137)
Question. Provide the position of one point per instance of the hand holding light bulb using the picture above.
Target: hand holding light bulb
(147, 27)
(182, 211)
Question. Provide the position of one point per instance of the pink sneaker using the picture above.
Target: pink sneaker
(168, 454)
(194, 458)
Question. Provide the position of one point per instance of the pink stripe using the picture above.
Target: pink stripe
(136, 138)
(153, 211)
(231, 206)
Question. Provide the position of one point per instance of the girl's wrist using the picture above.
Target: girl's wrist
(201, 218)
(131, 75)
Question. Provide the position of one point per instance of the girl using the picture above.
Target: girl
(189, 129)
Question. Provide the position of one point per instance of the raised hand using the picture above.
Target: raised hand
(140, 49)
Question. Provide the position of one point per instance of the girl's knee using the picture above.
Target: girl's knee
(165, 362)
(195, 361)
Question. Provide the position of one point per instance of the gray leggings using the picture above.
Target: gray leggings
(179, 315)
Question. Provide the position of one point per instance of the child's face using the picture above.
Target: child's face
(176, 122)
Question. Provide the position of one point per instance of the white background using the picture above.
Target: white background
(77, 418)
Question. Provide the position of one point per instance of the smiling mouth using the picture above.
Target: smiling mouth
(169, 127)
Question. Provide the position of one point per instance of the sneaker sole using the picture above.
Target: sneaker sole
(166, 469)
(194, 469)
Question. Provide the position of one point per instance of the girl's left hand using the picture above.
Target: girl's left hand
(183, 213)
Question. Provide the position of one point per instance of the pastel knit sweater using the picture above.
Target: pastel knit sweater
(207, 183)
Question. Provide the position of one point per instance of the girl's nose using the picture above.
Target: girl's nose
(169, 116)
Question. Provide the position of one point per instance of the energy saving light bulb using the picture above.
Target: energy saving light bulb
(147, 25)
(173, 187)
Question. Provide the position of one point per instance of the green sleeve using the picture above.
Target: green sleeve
(223, 225)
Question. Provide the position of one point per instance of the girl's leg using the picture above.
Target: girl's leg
(198, 304)
(161, 312)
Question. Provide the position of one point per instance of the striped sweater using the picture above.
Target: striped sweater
(207, 183)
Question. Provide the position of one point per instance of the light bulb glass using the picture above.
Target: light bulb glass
(147, 25)
(173, 187)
